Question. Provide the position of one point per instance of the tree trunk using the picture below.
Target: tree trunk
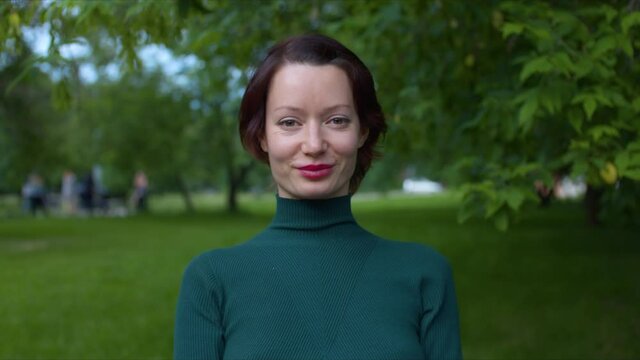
(592, 205)
(232, 193)
(186, 194)
(235, 181)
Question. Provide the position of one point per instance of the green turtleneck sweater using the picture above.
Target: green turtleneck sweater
(315, 285)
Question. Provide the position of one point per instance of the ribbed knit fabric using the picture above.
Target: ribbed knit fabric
(315, 285)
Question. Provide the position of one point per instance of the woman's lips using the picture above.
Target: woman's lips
(315, 172)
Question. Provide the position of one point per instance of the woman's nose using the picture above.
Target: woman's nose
(314, 142)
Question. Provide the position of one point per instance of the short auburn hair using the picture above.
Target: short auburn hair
(313, 50)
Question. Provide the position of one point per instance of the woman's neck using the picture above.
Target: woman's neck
(312, 214)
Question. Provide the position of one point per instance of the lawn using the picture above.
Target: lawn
(105, 288)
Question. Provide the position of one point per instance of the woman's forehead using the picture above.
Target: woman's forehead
(299, 86)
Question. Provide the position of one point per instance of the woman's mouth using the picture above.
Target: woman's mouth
(315, 172)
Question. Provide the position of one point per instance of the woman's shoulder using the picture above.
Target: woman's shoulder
(222, 254)
(212, 269)
(414, 254)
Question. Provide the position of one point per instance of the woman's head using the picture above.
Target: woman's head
(306, 59)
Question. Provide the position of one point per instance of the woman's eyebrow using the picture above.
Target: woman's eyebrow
(336, 107)
(324, 111)
(288, 108)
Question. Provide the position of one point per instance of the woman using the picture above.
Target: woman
(314, 284)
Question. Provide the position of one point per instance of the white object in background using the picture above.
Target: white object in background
(421, 186)
(568, 188)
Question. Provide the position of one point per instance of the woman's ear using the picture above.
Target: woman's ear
(263, 144)
(363, 137)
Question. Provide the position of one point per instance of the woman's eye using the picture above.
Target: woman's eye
(287, 123)
(339, 121)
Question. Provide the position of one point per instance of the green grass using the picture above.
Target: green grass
(103, 288)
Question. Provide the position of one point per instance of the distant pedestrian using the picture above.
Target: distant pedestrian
(34, 195)
(87, 193)
(68, 193)
(140, 191)
(100, 193)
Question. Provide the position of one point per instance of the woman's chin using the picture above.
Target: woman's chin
(314, 191)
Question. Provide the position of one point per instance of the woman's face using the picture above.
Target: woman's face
(312, 131)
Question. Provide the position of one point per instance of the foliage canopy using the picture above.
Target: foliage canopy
(488, 95)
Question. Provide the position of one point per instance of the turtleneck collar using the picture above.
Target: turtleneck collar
(312, 214)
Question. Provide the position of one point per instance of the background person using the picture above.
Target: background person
(87, 193)
(34, 195)
(68, 194)
(315, 284)
(140, 189)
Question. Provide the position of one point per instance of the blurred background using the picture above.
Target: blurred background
(512, 148)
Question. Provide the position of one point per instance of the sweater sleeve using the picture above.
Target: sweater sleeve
(198, 330)
(439, 326)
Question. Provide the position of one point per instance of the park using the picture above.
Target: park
(134, 105)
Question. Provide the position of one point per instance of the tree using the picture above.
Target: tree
(574, 104)
(39, 118)
(139, 123)
(488, 95)
(496, 95)
(30, 130)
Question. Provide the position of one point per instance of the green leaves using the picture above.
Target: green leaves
(576, 118)
(573, 97)
(503, 194)
(599, 132)
(61, 95)
(599, 96)
(628, 161)
(604, 45)
(536, 65)
(509, 29)
(523, 89)
(589, 104)
(630, 20)
(206, 39)
(527, 111)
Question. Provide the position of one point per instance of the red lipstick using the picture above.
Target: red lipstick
(315, 171)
